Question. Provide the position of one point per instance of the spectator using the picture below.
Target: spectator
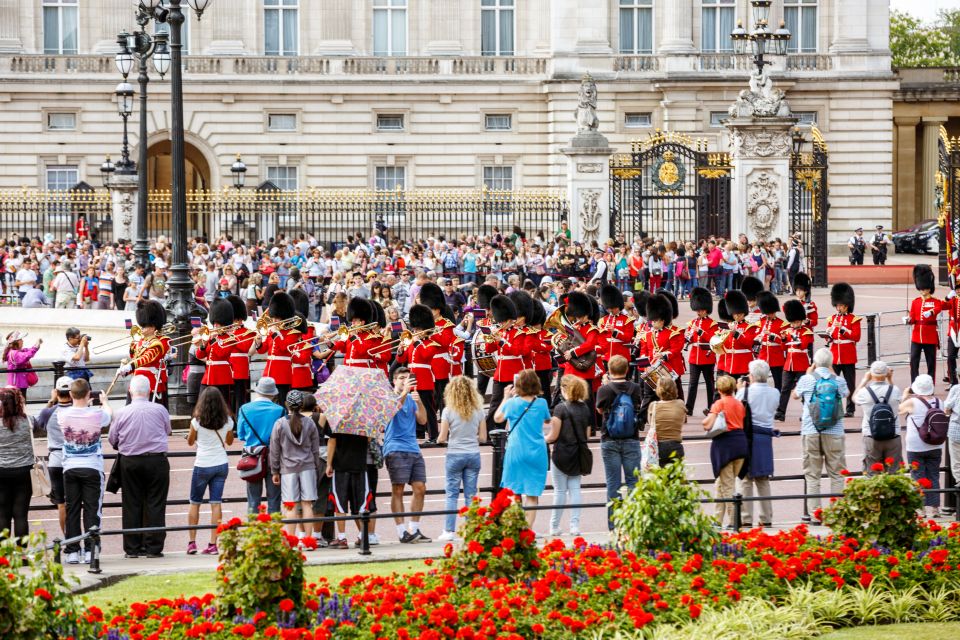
(668, 416)
(763, 400)
(34, 298)
(17, 359)
(295, 460)
(16, 462)
(463, 424)
(951, 407)
(65, 286)
(83, 478)
(76, 354)
(211, 430)
(88, 290)
(255, 422)
(401, 453)
(347, 466)
(729, 449)
(876, 386)
(48, 422)
(26, 278)
(525, 459)
(923, 458)
(621, 456)
(822, 446)
(568, 432)
(140, 433)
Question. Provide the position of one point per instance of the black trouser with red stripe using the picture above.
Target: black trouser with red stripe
(428, 398)
(929, 352)
(696, 371)
(849, 373)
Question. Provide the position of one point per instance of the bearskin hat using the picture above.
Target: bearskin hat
(539, 315)
(794, 310)
(767, 302)
(736, 303)
(239, 308)
(701, 300)
(502, 308)
(421, 318)
(923, 277)
(640, 302)
(221, 312)
(802, 281)
(360, 309)
(379, 314)
(722, 312)
(578, 305)
(842, 293)
(303, 326)
(151, 313)
(594, 316)
(611, 297)
(659, 307)
(485, 293)
(281, 306)
(751, 287)
(431, 296)
(524, 304)
(300, 301)
(673, 301)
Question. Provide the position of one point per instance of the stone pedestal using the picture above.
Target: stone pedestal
(588, 186)
(760, 203)
(123, 191)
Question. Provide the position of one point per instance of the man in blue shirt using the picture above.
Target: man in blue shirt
(403, 458)
(255, 422)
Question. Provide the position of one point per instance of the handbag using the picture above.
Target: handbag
(650, 451)
(252, 465)
(32, 377)
(719, 426)
(39, 474)
(115, 479)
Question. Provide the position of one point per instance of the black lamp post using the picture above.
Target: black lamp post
(761, 41)
(239, 171)
(106, 169)
(124, 93)
(797, 140)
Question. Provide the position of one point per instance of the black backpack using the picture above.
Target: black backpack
(935, 424)
(883, 419)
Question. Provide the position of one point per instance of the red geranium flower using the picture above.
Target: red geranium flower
(263, 517)
(43, 594)
(925, 483)
(286, 605)
(876, 466)
(888, 461)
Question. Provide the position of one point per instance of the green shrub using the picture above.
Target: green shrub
(663, 512)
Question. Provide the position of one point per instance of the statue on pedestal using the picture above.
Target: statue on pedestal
(587, 120)
(761, 100)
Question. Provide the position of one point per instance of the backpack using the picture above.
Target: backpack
(933, 430)
(825, 404)
(883, 419)
(622, 419)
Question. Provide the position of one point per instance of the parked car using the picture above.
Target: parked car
(923, 237)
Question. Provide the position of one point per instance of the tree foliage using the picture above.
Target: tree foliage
(914, 43)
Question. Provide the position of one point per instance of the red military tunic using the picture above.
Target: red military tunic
(216, 354)
(419, 359)
(666, 345)
(147, 359)
(240, 358)
(616, 334)
(279, 361)
(772, 349)
(698, 333)
(739, 348)
(300, 371)
(643, 358)
(591, 337)
(812, 314)
(356, 349)
(843, 330)
(923, 317)
(457, 349)
(797, 342)
(510, 349)
(542, 347)
(442, 359)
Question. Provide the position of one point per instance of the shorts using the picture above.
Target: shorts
(57, 493)
(351, 492)
(213, 477)
(406, 468)
(299, 487)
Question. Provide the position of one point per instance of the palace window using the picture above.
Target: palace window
(57, 121)
(389, 122)
(637, 120)
(62, 177)
(806, 117)
(282, 122)
(389, 27)
(717, 22)
(285, 177)
(498, 178)
(498, 122)
(163, 27)
(389, 178)
(636, 26)
(60, 26)
(801, 19)
(717, 118)
(280, 27)
(496, 27)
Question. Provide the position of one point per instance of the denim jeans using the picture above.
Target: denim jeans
(725, 281)
(461, 468)
(621, 459)
(562, 486)
(928, 467)
(255, 493)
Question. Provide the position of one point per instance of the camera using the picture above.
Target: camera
(87, 336)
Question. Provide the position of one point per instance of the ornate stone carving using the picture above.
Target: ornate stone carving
(125, 215)
(589, 167)
(761, 100)
(759, 143)
(587, 120)
(763, 204)
(589, 215)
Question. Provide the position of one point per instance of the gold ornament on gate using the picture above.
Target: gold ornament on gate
(667, 174)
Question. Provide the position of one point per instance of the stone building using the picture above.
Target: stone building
(450, 94)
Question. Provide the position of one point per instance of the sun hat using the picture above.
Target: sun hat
(922, 385)
(13, 336)
(266, 387)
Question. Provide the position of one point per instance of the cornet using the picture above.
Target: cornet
(135, 334)
(331, 336)
(405, 340)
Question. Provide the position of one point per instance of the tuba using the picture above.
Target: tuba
(566, 336)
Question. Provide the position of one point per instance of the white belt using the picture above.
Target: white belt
(796, 350)
(245, 356)
(301, 366)
(771, 344)
(357, 361)
(152, 370)
(740, 351)
(210, 362)
(844, 342)
(509, 357)
(278, 357)
(418, 365)
(615, 340)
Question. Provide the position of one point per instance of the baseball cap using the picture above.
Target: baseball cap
(879, 368)
(63, 383)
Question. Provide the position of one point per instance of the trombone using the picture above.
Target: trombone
(330, 336)
(136, 333)
(205, 333)
(405, 337)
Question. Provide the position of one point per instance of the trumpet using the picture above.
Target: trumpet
(266, 324)
(205, 333)
(135, 334)
(405, 339)
(330, 336)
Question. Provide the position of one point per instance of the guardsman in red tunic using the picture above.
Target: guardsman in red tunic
(482, 321)
(616, 328)
(417, 354)
(924, 310)
(356, 347)
(382, 335)
(431, 296)
(640, 328)
(217, 349)
(240, 358)
(698, 333)
(538, 341)
(148, 354)
(768, 337)
(751, 288)
(276, 344)
(510, 346)
(580, 310)
(301, 375)
(802, 288)
(797, 338)
(953, 333)
(843, 333)
(738, 346)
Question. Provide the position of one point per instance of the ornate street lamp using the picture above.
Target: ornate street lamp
(239, 171)
(761, 41)
(124, 93)
(797, 140)
(106, 169)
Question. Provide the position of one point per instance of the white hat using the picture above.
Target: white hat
(13, 336)
(922, 385)
(63, 383)
(879, 368)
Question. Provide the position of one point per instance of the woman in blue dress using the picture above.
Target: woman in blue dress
(525, 460)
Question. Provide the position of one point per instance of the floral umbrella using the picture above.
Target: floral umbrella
(358, 401)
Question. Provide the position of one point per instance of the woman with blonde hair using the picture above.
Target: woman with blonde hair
(463, 424)
(568, 434)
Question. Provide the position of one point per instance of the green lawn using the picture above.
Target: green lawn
(151, 587)
(926, 631)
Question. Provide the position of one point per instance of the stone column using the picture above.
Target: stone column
(760, 202)
(677, 32)
(906, 159)
(335, 36)
(226, 31)
(931, 162)
(10, 41)
(123, 192)
(850, 22)
(588, 186)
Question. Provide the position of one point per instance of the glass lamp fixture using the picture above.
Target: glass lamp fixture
(761, 11)
(124, 95)
(161, 54)
(239, 170)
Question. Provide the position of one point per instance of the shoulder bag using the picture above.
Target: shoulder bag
(39, 473)
(252, 465)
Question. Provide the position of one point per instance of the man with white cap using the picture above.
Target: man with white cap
(255, 421)
(879, 398)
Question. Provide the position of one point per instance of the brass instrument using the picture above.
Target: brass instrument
(266, 324)
(716, 342)
(206, 332)
(135, 334)
(753, 318)
(331, 336)
(405, 340)
(566, 336)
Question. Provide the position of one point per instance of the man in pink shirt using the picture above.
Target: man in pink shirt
(714, 257)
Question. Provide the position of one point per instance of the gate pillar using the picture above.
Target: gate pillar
(588, 189)
(123, 197)
(760, 200)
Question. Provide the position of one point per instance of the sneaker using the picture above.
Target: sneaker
(766, 525)
(158, 554)
(574, 532)
(339, 543)
(134, 556)
(419, 537)
(191, 548)
(555, 533)
(211, 550)
(86, 557)
(406, 538)
(447, 536)
(430, 442)
(374, 539)
(73, 558)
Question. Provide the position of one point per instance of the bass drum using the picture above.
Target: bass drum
(484, 361)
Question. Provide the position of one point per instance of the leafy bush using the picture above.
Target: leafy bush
(260, 565)
(881, 508)
(663, 512)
